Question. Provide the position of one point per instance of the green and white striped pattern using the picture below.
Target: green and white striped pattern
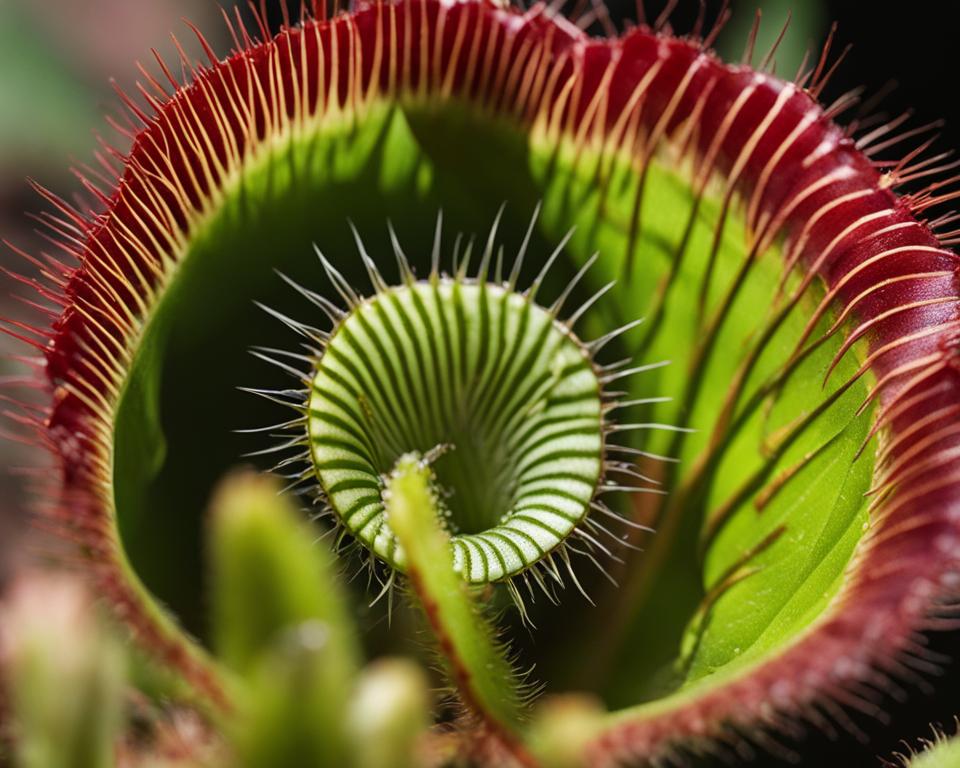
(495, 387)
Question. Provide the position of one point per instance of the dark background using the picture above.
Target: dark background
(56, 59)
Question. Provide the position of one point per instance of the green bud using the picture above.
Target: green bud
(65, 673)
(389, 713)
(270, 574)
(281, 622)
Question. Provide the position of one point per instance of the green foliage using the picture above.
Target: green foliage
(561, 728)
(65, 673)
(279, 619)
(388, 715)
(766, 502)
(268, 576)
(299, 696)
(762, 415)
(701, 314)
(294, 712)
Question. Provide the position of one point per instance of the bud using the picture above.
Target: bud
(389, 713)
(65, 673)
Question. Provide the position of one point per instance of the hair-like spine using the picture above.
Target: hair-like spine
(472, 373)
(767, 142)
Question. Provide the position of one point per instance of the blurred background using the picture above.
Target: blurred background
(57, 62)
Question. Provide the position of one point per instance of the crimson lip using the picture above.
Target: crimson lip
(800, 177)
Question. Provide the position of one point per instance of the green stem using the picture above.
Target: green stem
(474, 660)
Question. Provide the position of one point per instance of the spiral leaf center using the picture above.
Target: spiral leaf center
(491, 386)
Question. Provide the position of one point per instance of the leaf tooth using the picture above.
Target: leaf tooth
(498, 270)
(290, 424)
(599, 527)
(625, 468)
(285, 353)
(603, 509)
(655, 425)
(631, 371)
(618, 405)
(292, 443)
(485, 260)
(531, 292)
(564, 554)
(630, 450)
(292, 398)
(331, 310)
(407, 275)
(304, 330)
(599, 343)
(620, 488)
(521, 254)
(538, 578)
(557, 305)
(376, 279)
(340, 283)
(461, 266)
(575, 317)
(286, 368)
(594, 543)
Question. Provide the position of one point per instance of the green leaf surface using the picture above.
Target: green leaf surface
(787, 479)
(710, 311)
